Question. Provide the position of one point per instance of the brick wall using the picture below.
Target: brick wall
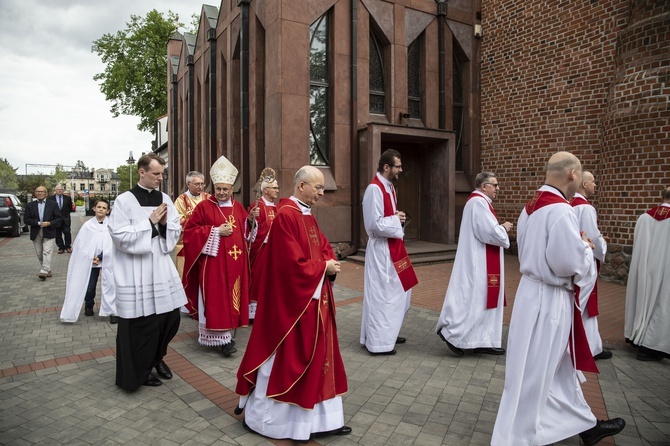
(587, 76)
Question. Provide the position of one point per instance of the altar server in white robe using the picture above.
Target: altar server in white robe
(389, 275)
(542, 401)
(91, 257)
(145, 228)
(472, 312)
(587, 219)
(647, 322)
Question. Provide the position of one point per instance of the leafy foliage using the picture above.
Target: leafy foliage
(124, 177)
(134, 79)
(7, 175)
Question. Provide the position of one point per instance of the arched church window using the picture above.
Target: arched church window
(319, 98)
(414, 79)
(377, 75)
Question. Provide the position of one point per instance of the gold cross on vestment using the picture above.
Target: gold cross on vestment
(235, 252)
(313, 236)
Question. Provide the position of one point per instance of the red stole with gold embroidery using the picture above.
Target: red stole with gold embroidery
(401, 262)
(492, 266)
(659, 213)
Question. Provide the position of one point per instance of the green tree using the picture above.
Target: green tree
(79, 165)
(7, 175)
(124, 177)
(60, 176)
(136, 63)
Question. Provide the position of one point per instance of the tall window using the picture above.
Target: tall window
(377, 75)
(457, 95)
(319, 98)
(414, 79)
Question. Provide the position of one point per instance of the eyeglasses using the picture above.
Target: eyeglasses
(275, 188)
(318, 188)
(495, 185)
(397, 166)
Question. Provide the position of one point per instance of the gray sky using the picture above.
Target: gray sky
(51, 109)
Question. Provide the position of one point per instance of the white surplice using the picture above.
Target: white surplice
(542, 401)
(587, 219)
(385, 302)
(147, 281)
(648, 290)
(465, 321)
(93, 238)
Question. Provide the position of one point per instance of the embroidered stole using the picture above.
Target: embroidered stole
(659, 213)
(492, 266)
(578, 342)
(399, 256)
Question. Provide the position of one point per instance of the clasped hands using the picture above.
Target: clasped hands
(587, 240)
(332, 267)
(159, 215)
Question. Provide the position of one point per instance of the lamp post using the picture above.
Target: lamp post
(130, 162)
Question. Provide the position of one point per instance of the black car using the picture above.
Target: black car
(11, 215)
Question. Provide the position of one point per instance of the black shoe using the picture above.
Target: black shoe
(400, 340)
(88, 311)
(490, 350)
(344, 430)
(113, 319)
(152, 381)
(228, 350)
(605, 354)
(457, 351)
(647, 354)
(389, 353)
(602, 429)
(163, 370)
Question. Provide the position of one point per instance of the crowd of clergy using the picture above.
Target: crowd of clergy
(270, 267)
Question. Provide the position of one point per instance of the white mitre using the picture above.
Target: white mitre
(223, 171)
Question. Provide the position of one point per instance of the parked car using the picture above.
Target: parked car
(11, 215)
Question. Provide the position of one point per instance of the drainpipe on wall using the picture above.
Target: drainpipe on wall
(441, 17)
(355, 151)
(211, 37)
(173, 122)
(191, 113)
(244, 97)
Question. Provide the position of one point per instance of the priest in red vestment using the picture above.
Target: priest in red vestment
(292, 376)
(216, 266)
(267, 211)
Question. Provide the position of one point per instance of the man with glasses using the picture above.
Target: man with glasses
(472, 312)
(266, 214)
(44, 219)
(389, 275)
(185, 203)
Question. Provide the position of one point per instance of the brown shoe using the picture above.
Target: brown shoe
(49, 274)
(61, 251)
(69, 250)
(42, 276)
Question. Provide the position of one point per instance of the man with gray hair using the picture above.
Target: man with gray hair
(472, 313)
(185, 203)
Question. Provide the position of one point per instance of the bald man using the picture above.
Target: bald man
(292, 376)
(542, 402)
(587, 219)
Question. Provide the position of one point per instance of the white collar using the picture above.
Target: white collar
(148, 190)
(225, 204)
(478, 192)
(304, 207)
(386, 182)
(267, 203)
(188, 192)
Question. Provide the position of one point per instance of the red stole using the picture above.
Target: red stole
(581, 353)
(401, 262)
(492, 266)
(592, 304)
(659, 213)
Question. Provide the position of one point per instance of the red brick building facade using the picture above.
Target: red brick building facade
(456, 86)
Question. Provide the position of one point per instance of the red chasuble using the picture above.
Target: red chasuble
(660, 213)
(224, 279)
(581, 355)
(300, 330)
(592, 304)
(264, 222)
(399, 256)
(492, 265)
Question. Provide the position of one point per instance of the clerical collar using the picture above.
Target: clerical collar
(477, 191)
(225, 204)
(304, 207)
(559, 191)
(268, 203)
(188, 192)
(147, 197)
(145, 188)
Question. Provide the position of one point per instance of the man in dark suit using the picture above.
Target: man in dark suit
(43, 217)
(63, 236)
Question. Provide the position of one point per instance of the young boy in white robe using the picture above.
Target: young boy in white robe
(91, 256)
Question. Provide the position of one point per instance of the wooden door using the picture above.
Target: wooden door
(409, 192)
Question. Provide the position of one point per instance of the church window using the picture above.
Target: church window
(320, 91)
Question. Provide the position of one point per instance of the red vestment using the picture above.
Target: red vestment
(299, 330)
(264, 221)
(224, 279)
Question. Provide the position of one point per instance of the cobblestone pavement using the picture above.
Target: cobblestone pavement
(57, 380)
